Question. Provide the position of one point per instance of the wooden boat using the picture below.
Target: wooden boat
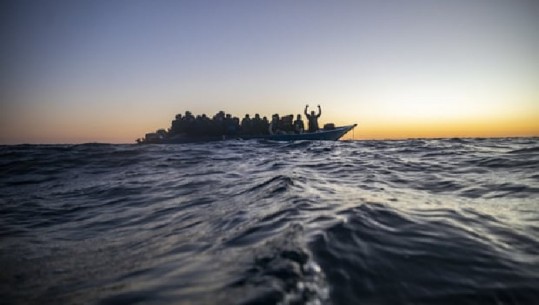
(320, 135)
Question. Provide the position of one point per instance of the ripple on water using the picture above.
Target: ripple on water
(441, 221)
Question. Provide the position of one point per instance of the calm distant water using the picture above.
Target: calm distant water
(451, 221)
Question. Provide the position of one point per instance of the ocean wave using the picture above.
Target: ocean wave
(380, 255)
(422, 221)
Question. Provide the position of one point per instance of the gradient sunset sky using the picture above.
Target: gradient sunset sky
(110, 71)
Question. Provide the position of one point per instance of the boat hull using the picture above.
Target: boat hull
(321, 135)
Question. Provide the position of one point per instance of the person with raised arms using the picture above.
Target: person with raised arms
(313, 118)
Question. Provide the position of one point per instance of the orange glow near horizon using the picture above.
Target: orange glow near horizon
(127, 131)
(512, 127)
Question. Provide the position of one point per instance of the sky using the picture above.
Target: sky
(111, 71)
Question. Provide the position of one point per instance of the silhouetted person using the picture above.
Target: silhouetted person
(299, 127)
(246, 125)
(273, 127)
(188, 122)
(230, 129)
(176, 127)
(265, 125)
(204, 125)
(313, 118)
(287, 123)
(218, 124)
(236, 125)
(257, 126)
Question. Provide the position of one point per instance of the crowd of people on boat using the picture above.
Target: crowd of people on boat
(225, 124)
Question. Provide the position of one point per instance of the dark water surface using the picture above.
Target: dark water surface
(452, 221)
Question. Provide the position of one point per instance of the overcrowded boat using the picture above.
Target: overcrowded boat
(189, 128)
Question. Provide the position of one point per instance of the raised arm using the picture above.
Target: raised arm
(306, 114)
(319, 111)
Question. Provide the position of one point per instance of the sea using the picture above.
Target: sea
(422, 221)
